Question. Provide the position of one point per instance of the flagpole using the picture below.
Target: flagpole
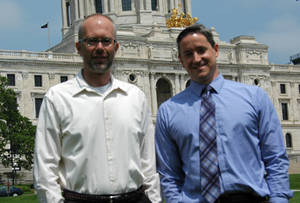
(48, 34)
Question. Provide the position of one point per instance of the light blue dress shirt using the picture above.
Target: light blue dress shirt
(251, 152)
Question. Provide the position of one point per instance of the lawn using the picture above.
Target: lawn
(294, 184)
(295, 181)
(20, 199)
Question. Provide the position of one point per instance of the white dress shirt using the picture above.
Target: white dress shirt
(94, 143)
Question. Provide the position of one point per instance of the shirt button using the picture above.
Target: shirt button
(112, 179)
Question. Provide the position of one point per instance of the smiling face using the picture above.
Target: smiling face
(97, 58)
(198, 57)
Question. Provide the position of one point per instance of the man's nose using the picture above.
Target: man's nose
(196, 57)
(99, 45)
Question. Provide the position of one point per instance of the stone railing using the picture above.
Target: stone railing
(46, 56)
(288, 67)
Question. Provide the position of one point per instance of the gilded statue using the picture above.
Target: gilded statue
(179, 21)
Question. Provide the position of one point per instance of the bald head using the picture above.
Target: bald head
(91, 17)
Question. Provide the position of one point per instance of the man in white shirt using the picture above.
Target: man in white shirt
(95, 135)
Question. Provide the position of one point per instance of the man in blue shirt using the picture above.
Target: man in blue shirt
(252, 161)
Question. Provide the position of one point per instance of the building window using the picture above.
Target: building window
(11, 79)
(288, 139)
(38, 103)
(282, 89)
(163, 91)
(256, 82)
(132, 78)
(154, 5)
(99, 6)
(63, 78)
(68, 14)
(284, 111)
(126, 5)
(38, 81)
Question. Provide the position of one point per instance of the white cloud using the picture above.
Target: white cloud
(281, 35)
(11, 15)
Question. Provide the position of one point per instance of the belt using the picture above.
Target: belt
(81, 197)
(241, 198)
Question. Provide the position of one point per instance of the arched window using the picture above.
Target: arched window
(126, 5)
(288, 139)
(99, 6)
(163, 91)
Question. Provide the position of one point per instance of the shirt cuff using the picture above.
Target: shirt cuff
(278, 200)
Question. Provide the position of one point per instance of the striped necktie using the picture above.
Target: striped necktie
(210, 183)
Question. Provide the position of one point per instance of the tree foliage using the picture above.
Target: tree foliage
(15, 130)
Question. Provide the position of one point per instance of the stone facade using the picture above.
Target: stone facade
(147, 57)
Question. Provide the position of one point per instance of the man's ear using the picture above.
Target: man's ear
(216, 48)
(117, 46)
(180, 59)
(78, 47)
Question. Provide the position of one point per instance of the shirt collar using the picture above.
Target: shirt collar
(81, 85)
(217, 84)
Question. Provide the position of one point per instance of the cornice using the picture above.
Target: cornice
(41, 62)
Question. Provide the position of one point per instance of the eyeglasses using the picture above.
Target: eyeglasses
(92, 42)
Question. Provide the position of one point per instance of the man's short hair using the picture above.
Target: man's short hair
(196, 28)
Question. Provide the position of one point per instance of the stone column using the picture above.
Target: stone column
(160, 5)
(64, 13)
(177, 85)
(105, 6)
(111, 6)
(81, 7)
(294, 101)
(86, 6)
(172, 6)
(176, 2)
(33, 106)
(274, 97)
(153, 94)
(142, 5)
(93, 6)
(182, 85)
(76, 10)
(148, 5)
(188, 6)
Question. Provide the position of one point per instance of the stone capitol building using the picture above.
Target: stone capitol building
(147, 58)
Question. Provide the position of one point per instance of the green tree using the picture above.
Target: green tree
(15, 130)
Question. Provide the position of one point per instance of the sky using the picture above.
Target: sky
(275, 23)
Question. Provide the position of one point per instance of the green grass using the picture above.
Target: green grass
(295, 181)
(20, 199)
(294, 184)
(296, 198)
